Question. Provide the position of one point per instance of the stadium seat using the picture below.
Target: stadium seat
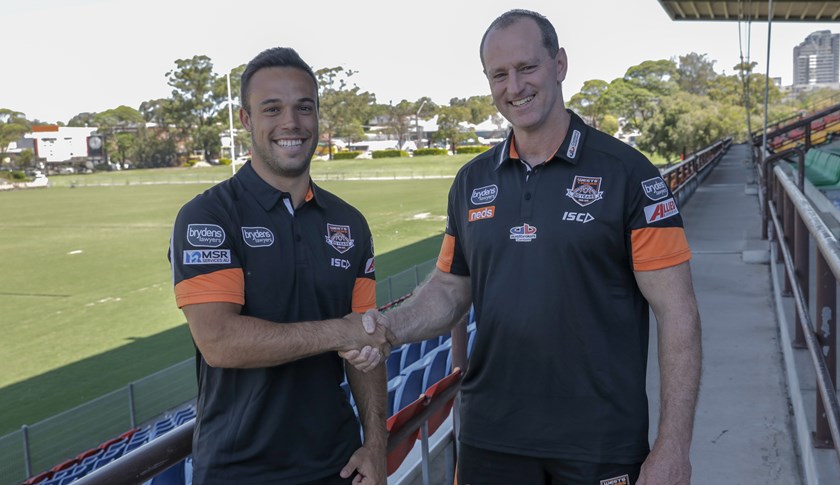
(410, 355)
(138, 439)
(437, 367)
(427, 346)
(393, 385)
(394, 361)
(162, 427)
(432, 393)
(470, 342)
(39, 478)
(395, 423)
(412, 383)
(183, 415)
(172, 476)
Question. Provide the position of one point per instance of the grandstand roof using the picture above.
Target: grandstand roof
(783, 10)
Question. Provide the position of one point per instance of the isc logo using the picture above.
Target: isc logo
(339, 263)
(583, 217)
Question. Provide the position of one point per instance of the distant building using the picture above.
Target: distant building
(61, 144)
(816, 61)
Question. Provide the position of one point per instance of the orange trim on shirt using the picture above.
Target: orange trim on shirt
(364, 295)
(309, 195)
(447, 254)
(512, 153)
(659, 247)
(225, 285)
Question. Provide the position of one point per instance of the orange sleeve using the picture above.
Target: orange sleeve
(447, 254)
(364, 295)
(225, 285)
(659, 247)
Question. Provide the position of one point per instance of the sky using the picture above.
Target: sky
(64, 57)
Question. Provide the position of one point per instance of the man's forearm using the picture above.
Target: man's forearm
(434, 309)
(371, 396)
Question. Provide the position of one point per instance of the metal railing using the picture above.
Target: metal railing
(791, 224)
(157, 456)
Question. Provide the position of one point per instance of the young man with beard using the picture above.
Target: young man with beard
(561, 237)
(266, 265)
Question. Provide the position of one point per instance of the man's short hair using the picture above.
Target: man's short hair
(274, 57)
(549, 34)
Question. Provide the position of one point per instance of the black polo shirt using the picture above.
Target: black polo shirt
(558, 367)
(242, 242)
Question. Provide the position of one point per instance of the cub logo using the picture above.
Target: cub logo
(523, 233)
(483, 213)
(585, 190)
(339, 238)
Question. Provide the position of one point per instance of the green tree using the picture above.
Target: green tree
(343, 109)
(197, 97)
(82, 120)
(589, 103)
(13, 125)
(695, 73)
(399, 120)
(451, 124)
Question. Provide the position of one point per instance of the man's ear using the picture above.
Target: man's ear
(562, 63)
(245, 118)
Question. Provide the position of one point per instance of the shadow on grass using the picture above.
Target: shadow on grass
(48, 394)
(45, 395)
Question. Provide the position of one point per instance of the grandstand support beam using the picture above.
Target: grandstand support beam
(27, 460)
(767, 75)
(131, 411)
(826, 330)
(147, 461)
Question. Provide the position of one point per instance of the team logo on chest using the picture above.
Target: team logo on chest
(585, 190)
(339, 237)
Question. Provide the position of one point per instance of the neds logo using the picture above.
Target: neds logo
(483, 213)
(205, 235)
(257, 237)
(484, 195)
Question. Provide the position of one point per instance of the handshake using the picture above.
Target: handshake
(370, 340)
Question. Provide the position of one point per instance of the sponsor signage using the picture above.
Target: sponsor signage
(339, 263)
(655, 188)
(257, 237)
(370, 266)
(483, 213)
(205, 235)
(484, 195)
(207, 256)
(662, 210)
(523, 233)
(583, 217)
(573, 144)
(622, 480)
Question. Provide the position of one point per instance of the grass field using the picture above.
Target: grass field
(86, 298)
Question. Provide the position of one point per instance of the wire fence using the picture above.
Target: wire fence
(40, 446)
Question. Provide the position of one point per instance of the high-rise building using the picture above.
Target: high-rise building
(816, 61)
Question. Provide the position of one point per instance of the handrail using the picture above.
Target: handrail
(778, 122)
(800, 216)
(804, 122)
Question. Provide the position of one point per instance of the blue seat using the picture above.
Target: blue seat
(438, 367)
(162, 427)
(471, 340)
(394, 362)
(393, 385)
(172, 476)
(183, 415)
(410, 355)
(412, 383)
(427, 346)
(138, 439)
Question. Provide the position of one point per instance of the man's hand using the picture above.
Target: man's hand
(368, 357)
(369, 464)
(665, 465)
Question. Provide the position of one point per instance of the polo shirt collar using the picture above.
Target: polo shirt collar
(267, 196)
(570, 150)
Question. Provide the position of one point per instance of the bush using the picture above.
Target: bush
(422, 152)
(389, 153)
(346, 155)
(18, 175)
(471, 149)
(224, 161)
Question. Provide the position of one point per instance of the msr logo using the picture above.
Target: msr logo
(483, 213)
(207, 256)
(662, 210)
(583, 217)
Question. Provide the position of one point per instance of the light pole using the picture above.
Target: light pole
(417, 121)
(230, 119)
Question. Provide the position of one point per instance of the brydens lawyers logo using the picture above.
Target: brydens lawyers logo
(523, 233)
(205, 235)
(662, 210)
(484, 195)
(339, 237)
(483, 213)
(655, 188)
(257, 237)
(207, 256)
(585, 190)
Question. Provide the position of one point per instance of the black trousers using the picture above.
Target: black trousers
(484, 467)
